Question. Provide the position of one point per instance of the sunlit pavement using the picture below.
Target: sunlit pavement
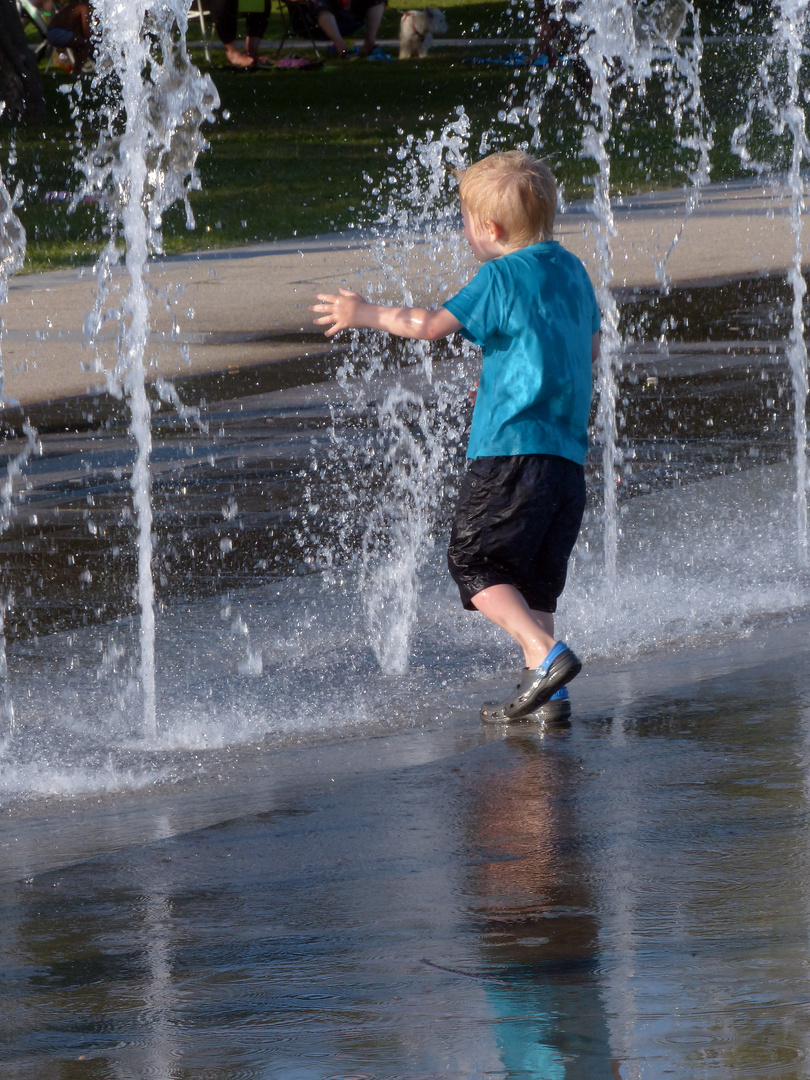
(222, 310)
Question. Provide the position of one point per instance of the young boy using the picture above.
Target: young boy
(532, 309)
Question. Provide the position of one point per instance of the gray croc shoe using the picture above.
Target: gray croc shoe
(493, 713)
(537, 686)
(555, 710)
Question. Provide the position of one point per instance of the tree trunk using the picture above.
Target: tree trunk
(21, 87)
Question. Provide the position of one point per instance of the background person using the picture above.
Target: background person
(336, 21)
(71, 27)
(226, 14)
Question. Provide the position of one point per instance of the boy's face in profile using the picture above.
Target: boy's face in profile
(483, 237)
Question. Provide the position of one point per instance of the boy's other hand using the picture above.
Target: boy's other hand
(342, 312)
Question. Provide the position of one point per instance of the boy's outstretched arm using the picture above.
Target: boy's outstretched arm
(349, 311)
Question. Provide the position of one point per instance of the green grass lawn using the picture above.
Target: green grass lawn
(299, 152)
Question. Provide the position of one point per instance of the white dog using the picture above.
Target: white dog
(416, 30)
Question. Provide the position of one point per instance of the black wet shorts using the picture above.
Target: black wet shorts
(517, 520)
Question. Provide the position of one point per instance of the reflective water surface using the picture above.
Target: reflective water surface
(625, 896)
(317, 870)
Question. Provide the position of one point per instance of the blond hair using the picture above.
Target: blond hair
(514, 190)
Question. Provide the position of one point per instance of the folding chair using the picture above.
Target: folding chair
(287, 28)
(197, 11)
(28, 12)
(43, 47)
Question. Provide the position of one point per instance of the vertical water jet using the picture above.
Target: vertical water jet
(790, 31)
(12, 254)
(775, 111)
(155, 102)
(622, 47)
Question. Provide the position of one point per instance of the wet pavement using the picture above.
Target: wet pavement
(625, 896)
(709, 400)
(315, 869)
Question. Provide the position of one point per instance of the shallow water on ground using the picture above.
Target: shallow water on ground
(622, 897)
(316, 869)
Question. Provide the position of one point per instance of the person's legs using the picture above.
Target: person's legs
(515, 526)
(236, 56)
(373, 19)
(255, 26)
(328, 23)
(546, 620)
(225, 14)
(533, 631)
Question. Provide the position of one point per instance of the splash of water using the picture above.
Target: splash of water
(776, 107)
(392, 480)
(14, 469)
(12, 255)
(613, 54)
(398, 531)
(622, 46)
(155, 103)
(621, 50)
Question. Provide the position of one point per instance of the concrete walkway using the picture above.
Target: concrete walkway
(227, 309)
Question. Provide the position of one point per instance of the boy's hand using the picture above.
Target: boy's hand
(342, 312)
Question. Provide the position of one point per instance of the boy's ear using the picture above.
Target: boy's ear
(495, 230)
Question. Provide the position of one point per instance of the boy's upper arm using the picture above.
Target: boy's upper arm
(442, 323)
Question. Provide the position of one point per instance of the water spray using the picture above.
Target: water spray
(777, 108)
(12, 254)
(155, 104)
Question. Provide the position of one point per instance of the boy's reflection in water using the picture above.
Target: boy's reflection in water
(539, 932)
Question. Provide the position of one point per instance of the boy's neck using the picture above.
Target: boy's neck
(499, 248)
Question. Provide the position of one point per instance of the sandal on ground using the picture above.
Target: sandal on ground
(536, 686)
(555, 710)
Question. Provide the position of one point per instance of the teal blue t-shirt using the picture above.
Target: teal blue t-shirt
(533, 312)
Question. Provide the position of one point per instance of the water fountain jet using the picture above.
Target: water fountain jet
(144, 162)
(778, 105)
(12, 254)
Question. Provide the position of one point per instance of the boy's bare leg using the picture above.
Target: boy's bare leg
(373, 19)
(533, 631)
(546, 620)
(252, 45)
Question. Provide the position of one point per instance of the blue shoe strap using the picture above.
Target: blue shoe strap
(556, 650)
